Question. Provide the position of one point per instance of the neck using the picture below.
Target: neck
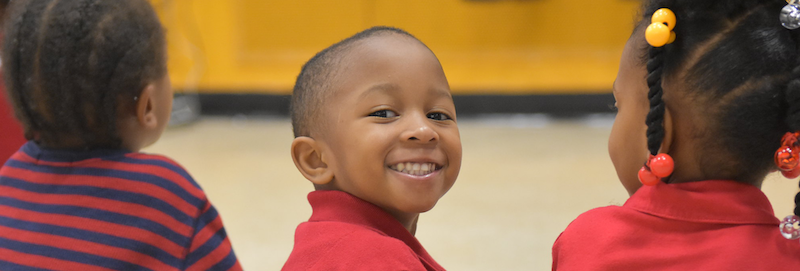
(678, 178)
(698, 156)
(63, 142)
(412, 228)
(690, 168)
(409, 221)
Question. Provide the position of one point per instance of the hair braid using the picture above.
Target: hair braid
(793, 115)
(53, 88)
(70, 64)
(79, 31)
(18, 69)
(655, 118)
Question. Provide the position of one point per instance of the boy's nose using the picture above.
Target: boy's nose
(420, 132)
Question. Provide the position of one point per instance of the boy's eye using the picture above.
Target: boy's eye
(613, 107)
(383, 114)
(439, 116)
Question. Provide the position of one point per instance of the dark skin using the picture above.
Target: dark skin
(393, 92)
(686, 130)
(143, 124)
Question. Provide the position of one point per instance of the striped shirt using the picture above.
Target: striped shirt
(106, 210)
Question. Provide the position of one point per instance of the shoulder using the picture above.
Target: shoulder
(591, 221)
(588, 236)
(165, 173)
(155, 160)
(588, 227)
(348, 247)
(160, 164)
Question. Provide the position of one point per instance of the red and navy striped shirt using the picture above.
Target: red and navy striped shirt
(106, 210)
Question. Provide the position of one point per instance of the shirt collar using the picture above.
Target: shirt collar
(53, 155)
(330, 205)
(712, 201)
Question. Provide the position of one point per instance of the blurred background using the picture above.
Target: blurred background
(532, 84)
(248, 53)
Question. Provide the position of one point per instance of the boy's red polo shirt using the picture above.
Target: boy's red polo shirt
(708, 225)
(347, 233)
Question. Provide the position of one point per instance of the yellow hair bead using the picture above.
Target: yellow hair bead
(665, 16)
(657, 34)
(660, 31)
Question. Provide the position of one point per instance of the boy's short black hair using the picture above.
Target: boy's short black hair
(71, 66)
(315, 79)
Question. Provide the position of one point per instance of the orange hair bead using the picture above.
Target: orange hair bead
(659, 32)
(665, 16)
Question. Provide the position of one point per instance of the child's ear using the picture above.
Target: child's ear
(145, 107)
(308, 158)
(669, 132)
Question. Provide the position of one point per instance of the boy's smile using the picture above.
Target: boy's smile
(416, 169)
(388, 130)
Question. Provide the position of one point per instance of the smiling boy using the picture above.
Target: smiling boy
(375, 132)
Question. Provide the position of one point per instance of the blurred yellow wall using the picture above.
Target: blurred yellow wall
(485, 46)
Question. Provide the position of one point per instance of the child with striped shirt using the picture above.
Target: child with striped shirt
(88, 81)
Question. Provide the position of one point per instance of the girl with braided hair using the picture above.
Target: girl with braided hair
(708, 93)
(88, 80)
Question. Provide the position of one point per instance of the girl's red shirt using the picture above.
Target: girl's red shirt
(707, 225)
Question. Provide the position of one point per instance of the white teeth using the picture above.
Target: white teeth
(418, 169)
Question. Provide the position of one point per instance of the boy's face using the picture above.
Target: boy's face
(627, 144)
(389, 127)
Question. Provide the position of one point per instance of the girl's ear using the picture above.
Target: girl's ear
(145, 107)
(307, 155)
(669, 132)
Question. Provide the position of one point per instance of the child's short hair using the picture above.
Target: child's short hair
(734, 59)
(314, 82)
(72, 66)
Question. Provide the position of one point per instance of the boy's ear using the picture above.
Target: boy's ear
(307, 157)
(145, 107)
(669, 132)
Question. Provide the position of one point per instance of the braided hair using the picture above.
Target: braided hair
(793, 115)
(736, 61)
(655, 117)
(72, 66)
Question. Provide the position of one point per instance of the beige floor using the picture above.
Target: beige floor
(523, 179)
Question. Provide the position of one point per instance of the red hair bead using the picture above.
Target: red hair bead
(791, 174)
(788, 155)
(662, 165)
(786, 158)
(647, 177)
(657, 167)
